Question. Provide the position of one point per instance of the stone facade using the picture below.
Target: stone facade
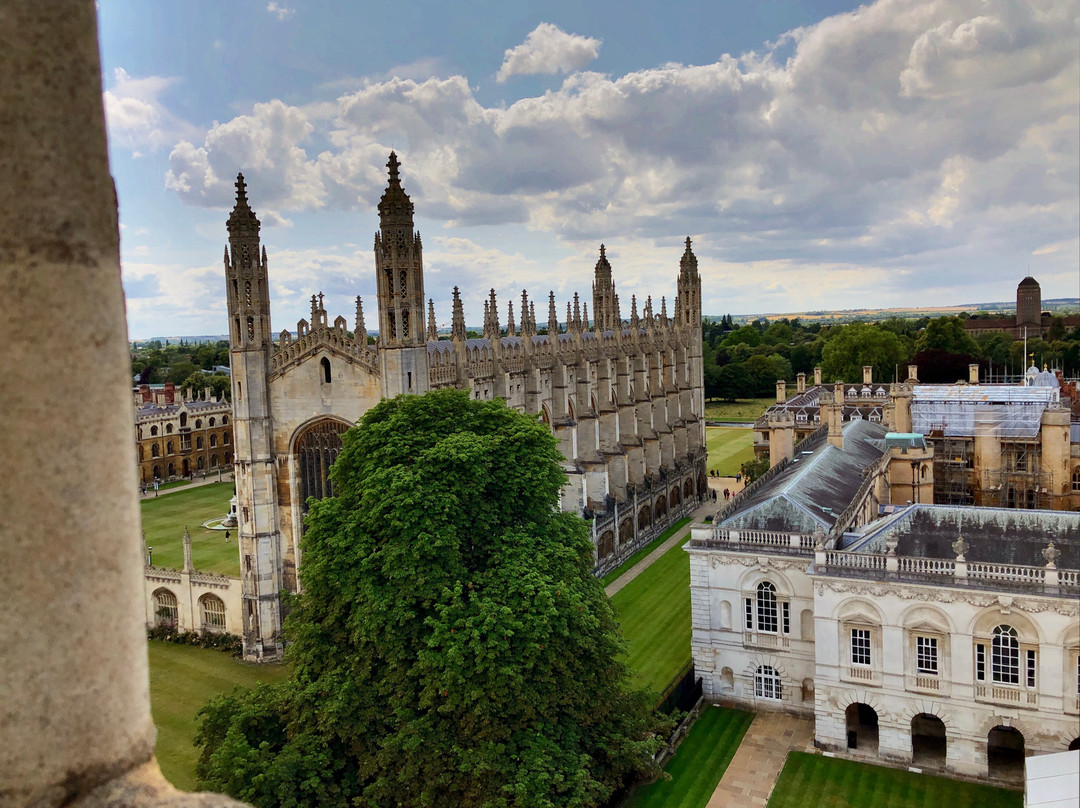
(624, 397)
(940, 637)
(179, 434)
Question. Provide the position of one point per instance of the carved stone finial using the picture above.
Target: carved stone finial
(960, 546)
(1051, 554)
(891, 544)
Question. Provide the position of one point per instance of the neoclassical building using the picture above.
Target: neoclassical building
(943, 637)
(624, 397)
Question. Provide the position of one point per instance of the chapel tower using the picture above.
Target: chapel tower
(604, 301)
(399, 270)
(250, 349)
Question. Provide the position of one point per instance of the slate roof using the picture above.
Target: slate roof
(815, 488)
(993, 535)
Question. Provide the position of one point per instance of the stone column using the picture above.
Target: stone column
(75, 726)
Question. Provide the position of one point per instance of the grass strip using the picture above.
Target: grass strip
(728, 448)
(644, 551)
(809, 779)
(654, 611)
(182, 679)
(699, 762)
(163, 520)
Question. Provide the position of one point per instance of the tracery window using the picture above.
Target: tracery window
(316, 450)
(213, 613)
(165, 608)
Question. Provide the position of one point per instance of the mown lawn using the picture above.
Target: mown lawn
(747, 409)
(835, 783)
(644, 551)
(182, 679)
(728, 448)
(699, 763)
(163, 520)
(654, 610)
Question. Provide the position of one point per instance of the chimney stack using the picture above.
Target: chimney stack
(867, 374)
(781, 391)
(912, 373)
(800, 380)
(973, 374)
(817, 376)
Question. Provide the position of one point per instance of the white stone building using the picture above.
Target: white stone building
(938, 636)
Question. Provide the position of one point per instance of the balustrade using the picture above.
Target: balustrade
(1014, 696)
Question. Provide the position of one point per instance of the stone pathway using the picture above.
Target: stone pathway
(682, 534)
(749, 779)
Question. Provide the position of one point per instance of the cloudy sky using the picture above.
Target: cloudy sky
(820, 154)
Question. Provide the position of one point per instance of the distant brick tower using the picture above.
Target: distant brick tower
(250, 348)
(1029, 305)
(399, 270)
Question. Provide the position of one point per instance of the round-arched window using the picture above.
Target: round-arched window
(165, 608)
(767, 683)
(213, 613)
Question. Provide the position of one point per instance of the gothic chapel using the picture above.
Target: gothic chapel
(623, 397)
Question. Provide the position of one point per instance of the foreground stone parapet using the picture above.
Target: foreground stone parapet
(75, 726)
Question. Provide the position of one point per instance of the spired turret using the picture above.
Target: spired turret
(399, 270)
(605, 307)
(688, 300)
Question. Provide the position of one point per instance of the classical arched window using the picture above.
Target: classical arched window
(155, 450)
(153, 430)
(169, 448)
(211, 422)
(766, 607)
(183, 420)
(326, 375)
(213, 613)
(1005, 656)
(198, 423)
(225, 438)
(165, 608)
(213, 440)
(201, 463)
(224, 420)
(168, 429)
(198, 442)
(317, 447)
(767, 683)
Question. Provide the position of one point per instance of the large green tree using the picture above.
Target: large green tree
(451, 646)
(855, 345)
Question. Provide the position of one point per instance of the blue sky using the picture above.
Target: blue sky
(820, 154)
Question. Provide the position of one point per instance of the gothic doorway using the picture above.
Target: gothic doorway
(928, 743)
(862, 727)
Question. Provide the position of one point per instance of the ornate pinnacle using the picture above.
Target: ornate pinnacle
(432, 329)
(584, 316)
(553, 317)
(393, 165)
(960, 547)
(360, 334)
(569, 318)
(1051, 554)
(577, 313)
(663, 310)
(457, 324)
(510, 329)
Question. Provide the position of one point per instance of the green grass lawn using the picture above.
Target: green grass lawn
(699, 762)
(182, 679)
(163, 520)
(644, 551)
(654, 610)
(728, 448)
(835, 783)
(747, 409)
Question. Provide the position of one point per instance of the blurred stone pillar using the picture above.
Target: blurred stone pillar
(75, 726)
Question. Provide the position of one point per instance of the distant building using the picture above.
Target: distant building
(1030, 320)
(995, 445)
(942, 637)
(178, 434)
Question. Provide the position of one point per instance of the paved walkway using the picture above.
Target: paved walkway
(681, 534)
(749, 779)
(212, 477)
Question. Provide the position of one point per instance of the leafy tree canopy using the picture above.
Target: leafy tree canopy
(847, 350)
(451, 646)
(946, 334)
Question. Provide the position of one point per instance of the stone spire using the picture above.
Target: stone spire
(510, 328)
(532, 319)
(577, 314)
(432, 329)
(528, 318)
(491, 318)
(361, 329)
(399, 273)
(617, 324)
(663, 311)
(584, 316)
(242, 221)
(688, 309)
(635, 322)
(603, 293)
(553, 317)
(569, 319)
(457, 323)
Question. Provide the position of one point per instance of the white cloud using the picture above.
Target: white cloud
(136, 115)
(917, 139)
(280, 10)
(548, 49)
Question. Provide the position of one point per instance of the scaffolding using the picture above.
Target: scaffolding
(962, 411)
(954, 469)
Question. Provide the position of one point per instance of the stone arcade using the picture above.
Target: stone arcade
(623, 397)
